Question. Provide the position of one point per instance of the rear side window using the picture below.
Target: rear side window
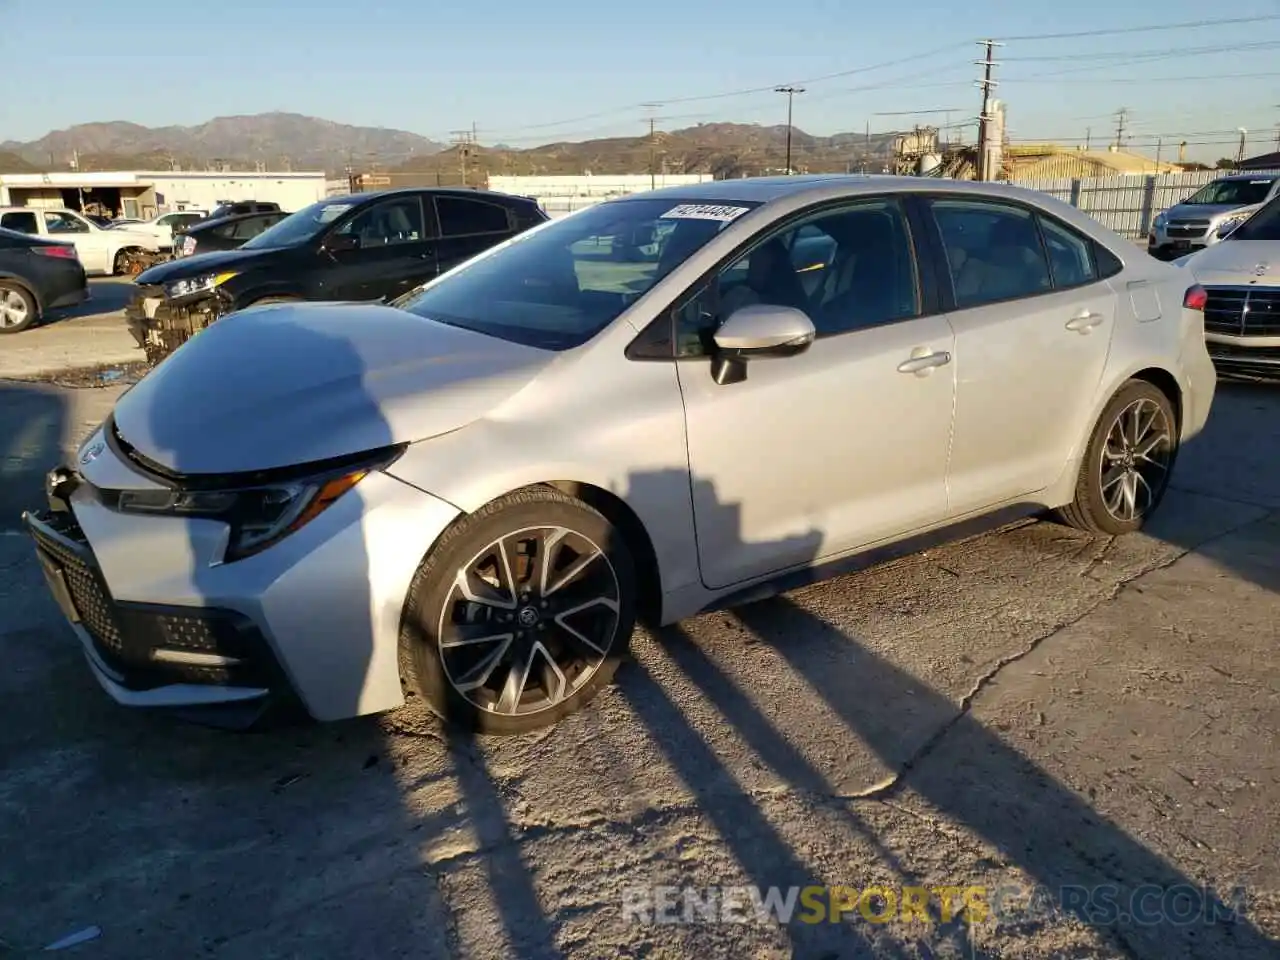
(993, 251)
(462, 217)
(1070, 255)
(23, 221)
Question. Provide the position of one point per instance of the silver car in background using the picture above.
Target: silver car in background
(1241, 278)
(1210, 214)
(662, 403)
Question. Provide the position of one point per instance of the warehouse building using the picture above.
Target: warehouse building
(141, 195)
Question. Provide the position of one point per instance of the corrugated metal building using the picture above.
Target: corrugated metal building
(1051, 161)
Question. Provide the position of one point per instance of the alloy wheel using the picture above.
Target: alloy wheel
(529, 620)
(1135, 460)
(13, 309)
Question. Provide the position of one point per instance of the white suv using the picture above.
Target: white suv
(101, 249)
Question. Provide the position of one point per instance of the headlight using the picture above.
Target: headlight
(260, 516)
(1230, 222)
(185, 288)
(1159, 221)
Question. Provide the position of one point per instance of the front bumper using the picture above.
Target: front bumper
(1253, 357)
(160, 325)
(315, 619)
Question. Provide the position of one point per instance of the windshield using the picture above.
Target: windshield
(1263, 225)
(301, 226)
(1233, 192)
(557, 287)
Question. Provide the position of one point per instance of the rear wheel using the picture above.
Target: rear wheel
(520, 615)
(17, 308)
(1128, 463)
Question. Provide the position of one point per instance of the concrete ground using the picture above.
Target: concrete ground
(90, 334)
(1033, 713)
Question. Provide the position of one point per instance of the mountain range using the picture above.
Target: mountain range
(293, 141)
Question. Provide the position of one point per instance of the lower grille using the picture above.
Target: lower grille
(1243, 311)
(1187, 229)
(148, 645)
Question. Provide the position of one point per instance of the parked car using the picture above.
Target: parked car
(226, 233)
(163, 226)
(1209, 214)
(36, 276)
(1241, 277)
(360, 247)
(111, 250)
(476, 491)
(230, 209)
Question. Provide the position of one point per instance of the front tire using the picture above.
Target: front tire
(1128, 463)
(520, 614)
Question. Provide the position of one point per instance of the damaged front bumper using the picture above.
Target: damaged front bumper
(160, 325)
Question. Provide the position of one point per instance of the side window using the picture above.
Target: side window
(1070, 255)
(64, 223)
(461, 217)
(1108, 263)
(993, 251)
(847, 269)
(387, 224)
(22, 221)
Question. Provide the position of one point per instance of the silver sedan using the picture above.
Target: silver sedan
(662, 403)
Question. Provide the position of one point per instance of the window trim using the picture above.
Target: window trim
(506, 211)
(643, 348)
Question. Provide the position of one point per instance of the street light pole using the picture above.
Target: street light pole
(790, 92)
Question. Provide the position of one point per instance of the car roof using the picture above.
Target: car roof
(1245, 175)
(433, 191)
(766, 189)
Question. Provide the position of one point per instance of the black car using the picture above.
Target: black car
(227, 233)
(364, 246)
(36, 276)
(233, 209)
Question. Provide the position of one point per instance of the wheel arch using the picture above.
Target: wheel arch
(1166, 383)
(27, 289)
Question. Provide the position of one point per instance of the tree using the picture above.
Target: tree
(1226, 163)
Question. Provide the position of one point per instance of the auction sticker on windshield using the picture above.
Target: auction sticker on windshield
(333, 211)
(704, 211)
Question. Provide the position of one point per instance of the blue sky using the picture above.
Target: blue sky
(526, 73)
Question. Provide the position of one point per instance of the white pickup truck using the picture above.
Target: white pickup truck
(161, 227)
(100, 250)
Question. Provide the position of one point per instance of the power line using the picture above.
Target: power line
(1116, 31)
(1234, 48)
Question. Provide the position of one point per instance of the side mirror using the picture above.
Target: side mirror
(342, 242)
(758, 332)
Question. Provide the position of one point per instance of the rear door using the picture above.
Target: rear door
(1033, 319)
(468, 226)
(395, 251)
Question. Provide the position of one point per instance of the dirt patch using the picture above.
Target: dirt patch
(97, 375)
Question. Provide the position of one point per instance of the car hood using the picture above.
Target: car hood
(283, 385)
(1200, 211)
(1237, 262)
(202, 263)
(131, 233)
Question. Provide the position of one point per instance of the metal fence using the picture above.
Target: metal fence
(1128, 204)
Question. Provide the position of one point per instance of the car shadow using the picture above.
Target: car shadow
(106, 295)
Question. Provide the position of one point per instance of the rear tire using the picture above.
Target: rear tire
(1127, 464)
(520, 614)
(18, 310)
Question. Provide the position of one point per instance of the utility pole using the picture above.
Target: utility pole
(464, 140)
(1159, 145)
(984, 118)
(790, 92)
(1240, 150)
(1088, 134)
(652, 120)
(1122, 118)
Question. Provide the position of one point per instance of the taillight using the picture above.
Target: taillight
(62, 253)
(1196, 297)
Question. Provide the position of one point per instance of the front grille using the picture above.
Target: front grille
(1186, 229)
(127, 636)
(89, 594)
(1243, 311)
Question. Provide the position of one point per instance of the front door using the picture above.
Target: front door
(394, 251)
(469, 226)
(837, 448)
(1033, 321)
(91, 246)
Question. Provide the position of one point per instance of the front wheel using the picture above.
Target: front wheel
(520, 615)
(1128, 462)
(17, 308)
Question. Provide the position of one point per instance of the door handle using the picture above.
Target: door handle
(924, 364)
(1084, 322)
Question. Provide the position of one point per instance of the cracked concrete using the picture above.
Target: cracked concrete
(1029, 708)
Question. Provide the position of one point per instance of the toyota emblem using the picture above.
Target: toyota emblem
(92, 452)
